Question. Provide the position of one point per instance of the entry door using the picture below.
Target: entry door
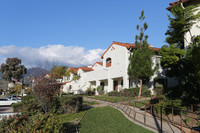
(116, 85)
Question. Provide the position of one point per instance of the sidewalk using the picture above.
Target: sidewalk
(138, 116)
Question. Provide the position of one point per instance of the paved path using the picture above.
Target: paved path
(137, 116)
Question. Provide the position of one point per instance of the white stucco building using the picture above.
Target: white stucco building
(112, 72)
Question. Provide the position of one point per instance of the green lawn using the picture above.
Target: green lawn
(139, 104)
(108, 120)
(112, 99)
(69, 121)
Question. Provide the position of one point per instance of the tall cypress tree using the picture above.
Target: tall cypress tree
(140, 66)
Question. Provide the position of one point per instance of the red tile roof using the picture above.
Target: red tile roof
(127, 45)
(86, 69)
(74, 69)
(101, 63)
(172, 4)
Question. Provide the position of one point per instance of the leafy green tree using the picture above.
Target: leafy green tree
(140, 66)
(181, 21)
(12, 69)
(190, 76)
(170, 60)
(181, 63)
(58, 71)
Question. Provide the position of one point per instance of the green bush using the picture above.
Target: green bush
(146, 93)
(99, 88)
(39, 122)
(17, 107)
(132, 92)
(167, 105)
(158, 89)
(28, 105)
(90, 91)
(71, 104)
(55, 107)
(114, 93)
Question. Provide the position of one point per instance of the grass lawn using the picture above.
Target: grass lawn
(112, 99)
(108, 120)
(140, 103)
(69, 121)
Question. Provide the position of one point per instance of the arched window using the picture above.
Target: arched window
(108, 62)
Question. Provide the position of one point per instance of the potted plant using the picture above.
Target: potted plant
(100, 90)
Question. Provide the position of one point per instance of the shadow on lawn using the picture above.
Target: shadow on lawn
(70, 127)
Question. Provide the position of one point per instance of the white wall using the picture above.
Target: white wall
(97, 66)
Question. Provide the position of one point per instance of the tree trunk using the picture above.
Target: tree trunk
(140, 92)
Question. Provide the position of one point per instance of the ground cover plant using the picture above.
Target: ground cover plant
(62, 116)
(108, 120)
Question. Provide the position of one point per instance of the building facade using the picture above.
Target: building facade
(112, 72)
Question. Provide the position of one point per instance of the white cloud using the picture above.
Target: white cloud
(68, 55)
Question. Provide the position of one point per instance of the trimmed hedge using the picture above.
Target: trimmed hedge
(132, 92)
(71, 104)
(114, 93)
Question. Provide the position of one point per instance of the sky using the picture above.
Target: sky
(75, 32)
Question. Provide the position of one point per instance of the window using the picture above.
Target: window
(108, 62)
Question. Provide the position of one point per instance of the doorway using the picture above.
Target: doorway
(116, 85)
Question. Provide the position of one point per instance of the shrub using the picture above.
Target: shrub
(17, 107)
(167, 105)
(90, 91)
(158, 89)
(146, 93)
(99, 88)
(28, 104)
(71, 104)
(45, 90)
(55, 106)
(114, 93)
(39, 122)
(132, 92)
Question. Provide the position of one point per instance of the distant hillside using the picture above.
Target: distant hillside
(35, 71)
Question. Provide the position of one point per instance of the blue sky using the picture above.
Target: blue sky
(88, 25)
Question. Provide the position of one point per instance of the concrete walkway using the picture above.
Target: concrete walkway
(138, 116)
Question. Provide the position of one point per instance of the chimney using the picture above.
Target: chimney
(89, 66)
(149, 45)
